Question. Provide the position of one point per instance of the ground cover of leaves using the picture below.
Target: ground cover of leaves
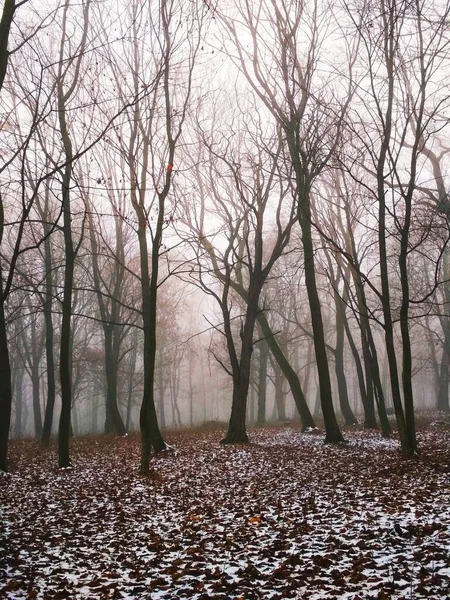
(283, 517)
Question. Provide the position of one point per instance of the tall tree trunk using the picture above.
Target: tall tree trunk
(332, 431)
(113, 421)
(262, 382)
(9, 8)
(66, 334)
(150, 433)
(49, 346)
(35, 385)
(17, 382)
(5, 390)
(110, 315)
(70, 252)
(237, 433)
(378, 388)
(408, 444)
(279, 405)
(130, 382)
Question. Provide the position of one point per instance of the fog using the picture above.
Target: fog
(229, 213)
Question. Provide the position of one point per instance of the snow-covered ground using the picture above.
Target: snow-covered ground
(284, 517)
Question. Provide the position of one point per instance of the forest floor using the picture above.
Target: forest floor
(283, 517)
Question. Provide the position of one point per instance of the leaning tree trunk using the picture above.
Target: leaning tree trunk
(291, 376)
(370, 421)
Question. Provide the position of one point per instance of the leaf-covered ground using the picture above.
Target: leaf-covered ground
(284, 517)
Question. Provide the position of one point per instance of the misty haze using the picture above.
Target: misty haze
(224, 299)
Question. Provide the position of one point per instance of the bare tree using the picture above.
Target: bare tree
(240, 188)
(161, 58)
(280, 61)
(403, 45)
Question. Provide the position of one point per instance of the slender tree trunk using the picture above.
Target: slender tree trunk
(237, 433)
(110, 316)
(35, 385)
(150, 433)
(191, 396)
(49, 347)
(18, 399)
(279, 394)
(9, 8)
(130, 382)
(262, 382)
(364, 324)
(378, 388)
(332, 431)
(64, 356)
(70, 253)
(113, 421)
(443, 382)
(5, 391)
(358, 365)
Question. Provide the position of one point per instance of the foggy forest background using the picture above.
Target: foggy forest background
(223, 209)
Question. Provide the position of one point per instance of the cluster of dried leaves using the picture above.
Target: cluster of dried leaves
(284, 517)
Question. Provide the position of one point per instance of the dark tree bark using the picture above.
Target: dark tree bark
(290, 99)
(9, 8)
(33, 345)
(49, 345)
(65, 342)
(443, 381)
(161, 386)
(407, 436)
(151, 436)
(110, 317)
(5, 390)
(336, 276)
(303, 184)
(69, 247)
